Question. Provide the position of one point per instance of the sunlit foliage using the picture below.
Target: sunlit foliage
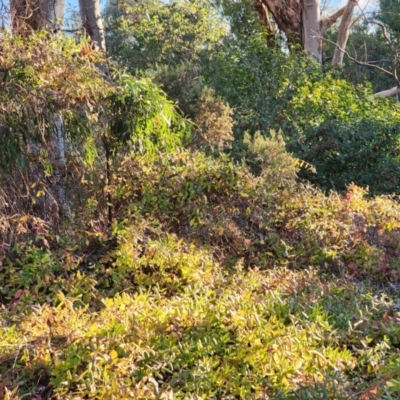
(197, 261)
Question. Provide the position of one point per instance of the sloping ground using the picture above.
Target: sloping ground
(212, 284)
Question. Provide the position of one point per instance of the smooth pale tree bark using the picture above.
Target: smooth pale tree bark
(92, 22)
(310, 26)
(327, 22)
(93, 25)
(54, 12)
(344, 31)
(60, 168)
(388, 93)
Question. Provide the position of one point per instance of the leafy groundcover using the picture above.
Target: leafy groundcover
(211, 284)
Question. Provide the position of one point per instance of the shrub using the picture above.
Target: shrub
(347, 137)
(270, 160)
(213, 119)
(325, 121)
(213, 282)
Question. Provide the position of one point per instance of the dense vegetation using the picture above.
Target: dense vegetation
(214, 219)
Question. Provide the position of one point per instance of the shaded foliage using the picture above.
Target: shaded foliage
(326, 121)
(389, 14)
(366, 44)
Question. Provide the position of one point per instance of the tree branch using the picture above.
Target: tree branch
(344, 31)
(387, 93)
(367, 64)
(393, 47)
(382, 25)
(327, 22)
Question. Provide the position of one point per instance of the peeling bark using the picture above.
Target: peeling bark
(287, 16)
(302, 23)
(263, 14)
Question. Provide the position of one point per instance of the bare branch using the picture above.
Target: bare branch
(382, 60)
(393, 47)
(362, 13)
(388, 93)
(108, 28)
(327, 22)
(382, 25)
(385, 93)
(367, 64)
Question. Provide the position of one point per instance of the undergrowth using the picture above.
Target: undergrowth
(212, 283)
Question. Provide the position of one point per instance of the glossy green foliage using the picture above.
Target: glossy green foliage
(140, 115)
(326, 122)
(220, 275)
(170, 42)
(257, 82)
(151, 34)
(347, 136)
(241, 16)
(331, 124)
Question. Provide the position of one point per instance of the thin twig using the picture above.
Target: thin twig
(367, 64)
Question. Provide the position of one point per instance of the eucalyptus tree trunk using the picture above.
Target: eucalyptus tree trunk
(60, 167)
(311, 35)
(286, 14)
(92, 23)
(31, 15)
(394, 91)
(302, 23)
(304, 27)
(344, 31)
(54, 12)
